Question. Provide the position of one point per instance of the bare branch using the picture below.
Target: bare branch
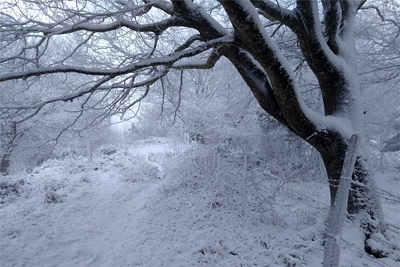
(52, 29)
(138, 100)
(38, 106)
(189, 42)
(383, 18)
(167, 60)
(179, 97)
(199, 64)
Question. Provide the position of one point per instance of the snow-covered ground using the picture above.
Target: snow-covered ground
(139, 206)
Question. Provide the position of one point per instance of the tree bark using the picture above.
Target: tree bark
(363, 199)
(5, 163)
(88, 149)
(8, 133)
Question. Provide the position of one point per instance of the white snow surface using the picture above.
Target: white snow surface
(134, 207)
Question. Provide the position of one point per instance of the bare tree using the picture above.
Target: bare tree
(123, 48)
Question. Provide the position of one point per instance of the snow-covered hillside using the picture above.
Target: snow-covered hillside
(148, 205)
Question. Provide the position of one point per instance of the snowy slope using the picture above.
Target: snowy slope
(94, 225)
(140, 206)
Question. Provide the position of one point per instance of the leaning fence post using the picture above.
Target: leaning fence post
(337, 212)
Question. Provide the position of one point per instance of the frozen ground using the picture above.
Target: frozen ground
(139, 206)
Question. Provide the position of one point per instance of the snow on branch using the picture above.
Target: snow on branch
(274, 12)
(165, 6)
(199, 64)
(69, 97)
(332, 19)
(134, 10)
(149, 81)
(167, 60)
(98, 86)
(189, 42)
(52, 29)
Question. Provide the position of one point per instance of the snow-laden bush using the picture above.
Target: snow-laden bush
(109, 156)
(229, 207)
(105, 150)
(139, 169)
(132, 167)
(50, 164)
(10, 189)
(245, 186)
(52, 197)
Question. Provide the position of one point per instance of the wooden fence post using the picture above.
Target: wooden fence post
(338, 211)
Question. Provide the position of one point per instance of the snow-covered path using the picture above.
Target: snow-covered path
(83, 234)
(96, 225)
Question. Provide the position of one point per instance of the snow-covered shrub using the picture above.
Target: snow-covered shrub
(218, 175)
(134, 168)
(105, 150)
(57, 189)
(50, 164)
(306, 216)
(290, 260)
(193, 167)
(209, 255)
(85, 178)
(75, 165)
(109, 156)
(208, 196)
(139, 169)
(68, 154)
(239, 181)
(149, 171)
(10, 189)
(52, 197)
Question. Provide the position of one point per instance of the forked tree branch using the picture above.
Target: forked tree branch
(273, 12)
